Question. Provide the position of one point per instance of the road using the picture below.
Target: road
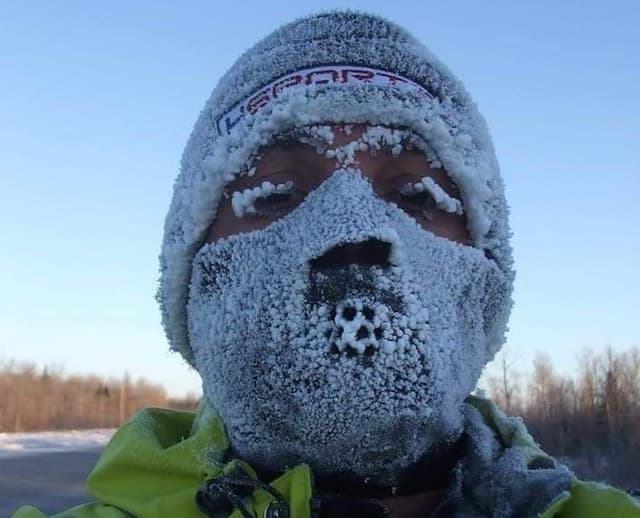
(52, 482)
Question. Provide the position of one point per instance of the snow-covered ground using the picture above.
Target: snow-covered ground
(12, 444)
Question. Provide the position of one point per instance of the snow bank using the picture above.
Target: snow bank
(12, 444)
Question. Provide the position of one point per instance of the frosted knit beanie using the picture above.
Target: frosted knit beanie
(335, 67)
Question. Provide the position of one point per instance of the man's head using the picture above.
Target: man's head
(336, 262)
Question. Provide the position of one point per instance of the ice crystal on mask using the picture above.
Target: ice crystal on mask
(243, 202)
(440, 198)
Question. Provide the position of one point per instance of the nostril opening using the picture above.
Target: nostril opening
(368, 313)
(349, 313)
(363, 332)
(372, 252)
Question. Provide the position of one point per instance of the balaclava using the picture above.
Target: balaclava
(357, 369)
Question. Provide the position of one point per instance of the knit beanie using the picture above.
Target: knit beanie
(335, 67)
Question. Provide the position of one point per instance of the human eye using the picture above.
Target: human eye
(427, 198)
(267, 199)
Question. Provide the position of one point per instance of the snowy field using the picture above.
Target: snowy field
(47, 469)
(12, 444)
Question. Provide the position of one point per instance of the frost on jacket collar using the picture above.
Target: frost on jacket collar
(155, 463)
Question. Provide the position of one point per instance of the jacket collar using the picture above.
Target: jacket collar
(155, 463)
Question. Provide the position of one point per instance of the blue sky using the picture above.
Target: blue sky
(98, 99)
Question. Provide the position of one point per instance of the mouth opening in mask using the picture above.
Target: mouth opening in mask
(357, 329)
(352, 300)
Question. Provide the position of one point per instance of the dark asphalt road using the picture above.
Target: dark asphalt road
(52, 482)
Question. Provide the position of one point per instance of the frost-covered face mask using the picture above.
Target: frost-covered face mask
(351, 368)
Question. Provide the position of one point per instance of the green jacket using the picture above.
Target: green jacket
(154, 464)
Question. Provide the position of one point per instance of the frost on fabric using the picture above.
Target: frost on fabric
(358, 368)
(502, 473)
(244, 202)
(451, 124)
(440, 198)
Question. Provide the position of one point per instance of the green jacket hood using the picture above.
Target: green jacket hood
(155, 463)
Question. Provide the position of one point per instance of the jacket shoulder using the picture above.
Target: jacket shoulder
(156, 446)
(90, 510)
(593, 500)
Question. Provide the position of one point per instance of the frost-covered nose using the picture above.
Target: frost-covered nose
(371, 252)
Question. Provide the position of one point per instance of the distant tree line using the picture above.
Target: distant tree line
(33, 399)
(590, 421)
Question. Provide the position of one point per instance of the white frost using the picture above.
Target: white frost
(12, 444)
(442, 200)
(243, 202)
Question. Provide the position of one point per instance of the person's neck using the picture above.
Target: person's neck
(430, 473)
(418, 491)
(417, 505)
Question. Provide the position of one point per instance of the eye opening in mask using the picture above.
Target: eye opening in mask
(278, 204)
(300, 161)
(427, 198)
(422, 203)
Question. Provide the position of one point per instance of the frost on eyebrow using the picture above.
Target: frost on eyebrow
(318, 136)
(243, 202)
(442, 200)
(374, 138)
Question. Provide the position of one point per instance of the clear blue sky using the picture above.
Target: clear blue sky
(98, 99)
